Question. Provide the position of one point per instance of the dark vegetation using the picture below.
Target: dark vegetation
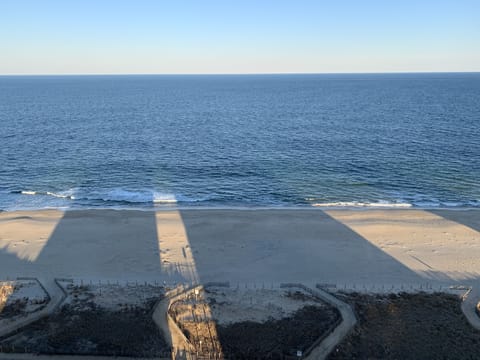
(409, 326)
(92, 330)
(14, 308)
(274, 339)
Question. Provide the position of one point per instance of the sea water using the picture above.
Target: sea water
(342, 140)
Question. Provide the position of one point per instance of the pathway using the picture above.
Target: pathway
(470, 301)
(56, 296)
(348, 322)
(171, 332)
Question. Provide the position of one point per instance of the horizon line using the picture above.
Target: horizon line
(242, 74)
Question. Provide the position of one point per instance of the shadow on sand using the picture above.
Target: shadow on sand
(254, 247)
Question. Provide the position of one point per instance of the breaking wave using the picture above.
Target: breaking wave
(114, 195)
(62, 195)
(356, 204)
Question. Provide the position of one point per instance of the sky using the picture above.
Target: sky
(238, 36)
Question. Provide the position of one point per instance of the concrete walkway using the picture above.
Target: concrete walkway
(470, 301)
(348, 322)
(56, 296)
(336, 336)
(171, 332)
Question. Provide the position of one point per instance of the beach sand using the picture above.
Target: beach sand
(359, 247)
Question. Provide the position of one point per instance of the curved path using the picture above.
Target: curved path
(469, 304)
(171, 332)
(177, 339)
(348, 322)
(56, 296)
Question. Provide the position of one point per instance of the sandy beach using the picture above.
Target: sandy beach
(309, 246)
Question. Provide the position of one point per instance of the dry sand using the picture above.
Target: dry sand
(263, 246)
(111, 297)
(233, 305)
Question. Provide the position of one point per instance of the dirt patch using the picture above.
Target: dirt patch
(408, 326)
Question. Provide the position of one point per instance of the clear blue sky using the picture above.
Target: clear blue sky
(242, 36)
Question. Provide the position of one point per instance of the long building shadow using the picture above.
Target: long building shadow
(91, 245)
(255, 247)
(105, 244)
(468, 235)
(22, 238)
(86, 244)
(469, 218)
(282, 246)
(211, 245)
(274, 246)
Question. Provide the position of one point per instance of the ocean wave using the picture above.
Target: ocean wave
(117, 195)
(141, 196)
(356, 204)
(147, 198)
(63, 195)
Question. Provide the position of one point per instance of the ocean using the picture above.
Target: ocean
(162, 141)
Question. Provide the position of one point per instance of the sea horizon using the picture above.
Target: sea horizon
(239, 74)
(392, 140)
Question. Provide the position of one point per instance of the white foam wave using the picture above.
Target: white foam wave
(140, 196)
(160, 197)
(63, 195)
(164, 198)
(356, 204)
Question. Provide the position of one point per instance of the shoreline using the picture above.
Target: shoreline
(245, 208)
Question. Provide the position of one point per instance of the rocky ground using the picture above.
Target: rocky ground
(408, 326)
